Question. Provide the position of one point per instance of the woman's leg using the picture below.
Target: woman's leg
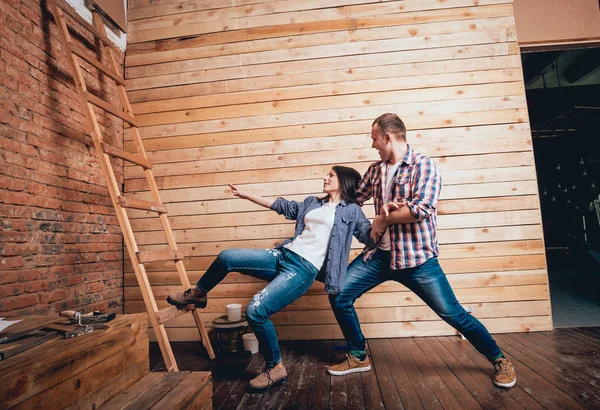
(295, 276)
(259, 263)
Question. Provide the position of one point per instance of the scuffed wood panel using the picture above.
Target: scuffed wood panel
(269, 95)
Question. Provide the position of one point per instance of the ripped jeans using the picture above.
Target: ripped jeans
(289, 274)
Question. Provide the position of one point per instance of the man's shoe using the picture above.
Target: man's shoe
(350, 364)
(504, 373)
(182, 300)
(268, 379)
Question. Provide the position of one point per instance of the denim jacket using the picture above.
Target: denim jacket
(349, 220)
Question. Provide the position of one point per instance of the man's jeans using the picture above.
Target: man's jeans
(289, 274)
(427, 281)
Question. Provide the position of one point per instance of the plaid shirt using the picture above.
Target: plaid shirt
(417, 183)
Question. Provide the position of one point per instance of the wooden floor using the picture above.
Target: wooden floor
(558, 369)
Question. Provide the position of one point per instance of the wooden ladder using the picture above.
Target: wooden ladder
(104, 151)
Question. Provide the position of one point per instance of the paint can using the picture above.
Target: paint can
(228, 335)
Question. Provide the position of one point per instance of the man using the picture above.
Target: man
(405, 187)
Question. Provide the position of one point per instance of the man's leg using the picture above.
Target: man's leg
(429, 282)
(360, 278)
(260, 263)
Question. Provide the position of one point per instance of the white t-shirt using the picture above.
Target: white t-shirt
(385, 243)
(313, 242)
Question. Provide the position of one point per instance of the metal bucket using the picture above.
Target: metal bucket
(228, 335)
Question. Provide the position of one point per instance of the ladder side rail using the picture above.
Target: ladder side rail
(181, 270)
(113, 189)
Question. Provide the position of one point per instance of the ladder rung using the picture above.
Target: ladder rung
(127, 156)
(159, 256)
(99, 102)
(67, 8)
(80, 52)
(143, 205)
(170, 313)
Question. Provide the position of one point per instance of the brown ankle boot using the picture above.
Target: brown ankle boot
(269, 378)
(182, 300)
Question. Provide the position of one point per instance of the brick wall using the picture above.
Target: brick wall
(60, 243)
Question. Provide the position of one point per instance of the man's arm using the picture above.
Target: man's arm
(392, 213)
(364, 192)
(421, 205)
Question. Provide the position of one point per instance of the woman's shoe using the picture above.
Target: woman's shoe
(182, 300)
(269, 378)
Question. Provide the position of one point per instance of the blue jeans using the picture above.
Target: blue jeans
(289, 274)
(427, 281)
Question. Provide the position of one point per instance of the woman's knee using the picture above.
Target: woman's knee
(227, 255)
(255, 312)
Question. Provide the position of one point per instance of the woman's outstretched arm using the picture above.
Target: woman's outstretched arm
(259, 200)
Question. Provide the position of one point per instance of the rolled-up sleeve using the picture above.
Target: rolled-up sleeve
(426, 191)
(289, 209)
(362, 229)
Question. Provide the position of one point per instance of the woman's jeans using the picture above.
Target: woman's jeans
(427, 281)
(289, 274)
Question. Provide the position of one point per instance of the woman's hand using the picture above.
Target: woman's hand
(257, 199)
(237, 193)
(377, 228)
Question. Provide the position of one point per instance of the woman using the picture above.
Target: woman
(321, 242)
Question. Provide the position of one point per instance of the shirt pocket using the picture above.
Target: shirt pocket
(345, 226)
(403, 185)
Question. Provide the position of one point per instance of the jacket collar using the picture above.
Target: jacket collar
(324, 199)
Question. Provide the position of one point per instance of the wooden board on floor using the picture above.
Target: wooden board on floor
(419, 372)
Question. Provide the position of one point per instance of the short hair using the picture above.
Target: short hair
(391, 123)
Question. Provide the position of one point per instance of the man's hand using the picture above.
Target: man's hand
(378, 228)
(391, 207)
(237, 193)
(379, 222)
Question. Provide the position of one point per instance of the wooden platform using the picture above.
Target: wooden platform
(79, 373)
(161, 390)
(557, 369)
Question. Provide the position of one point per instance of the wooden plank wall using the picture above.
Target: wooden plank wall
(269, 95)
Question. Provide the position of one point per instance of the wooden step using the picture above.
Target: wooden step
(142, 205)
(159, 256)
(81, 53)
(170, 313)
(158, 390)
(116, 111)
(127, 156)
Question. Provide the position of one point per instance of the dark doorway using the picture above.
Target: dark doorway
(563, 97)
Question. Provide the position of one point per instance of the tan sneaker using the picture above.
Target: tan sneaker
(269, 378)
(182, 300)
(350, 364)
(504, 373)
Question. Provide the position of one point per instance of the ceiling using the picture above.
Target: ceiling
(563, 92)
